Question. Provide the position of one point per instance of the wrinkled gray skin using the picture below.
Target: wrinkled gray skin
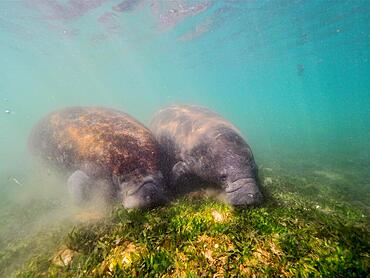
(199, 142)
(134, 193)
(147, 193)
(103, 151)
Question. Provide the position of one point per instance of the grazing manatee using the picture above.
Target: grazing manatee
(199, 142)
(95, 144)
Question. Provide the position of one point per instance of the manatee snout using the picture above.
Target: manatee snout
(149, 193)
(243, 192)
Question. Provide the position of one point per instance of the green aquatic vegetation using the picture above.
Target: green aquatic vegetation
(292, 234)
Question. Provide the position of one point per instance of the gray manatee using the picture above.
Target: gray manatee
(94, 144)
(199, 142)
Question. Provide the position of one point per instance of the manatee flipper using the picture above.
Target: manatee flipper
(79, 186)
(179, 170)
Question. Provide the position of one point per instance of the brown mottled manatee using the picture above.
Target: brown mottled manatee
(199, 142)
(94, 144)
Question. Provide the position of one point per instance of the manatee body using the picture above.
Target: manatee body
(199, 142)
(99, 144)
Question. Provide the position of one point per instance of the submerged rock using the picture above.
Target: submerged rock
(64, 257)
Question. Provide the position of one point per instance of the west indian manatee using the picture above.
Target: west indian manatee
(199, 142)
(93, 144)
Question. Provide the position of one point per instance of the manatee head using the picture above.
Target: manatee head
(243, 191)
(146, 192)
(236, 170)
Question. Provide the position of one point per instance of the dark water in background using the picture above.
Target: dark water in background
(294, 76)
